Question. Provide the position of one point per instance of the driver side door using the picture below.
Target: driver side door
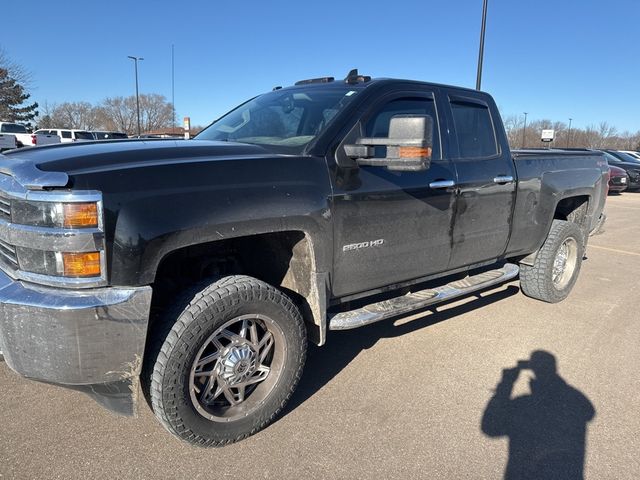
(391, 226)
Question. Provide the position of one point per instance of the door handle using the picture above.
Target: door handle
(502, 179)
(442, 184)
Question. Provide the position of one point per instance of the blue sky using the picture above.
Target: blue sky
(553, 59)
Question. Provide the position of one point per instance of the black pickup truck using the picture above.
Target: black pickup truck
(200, 269)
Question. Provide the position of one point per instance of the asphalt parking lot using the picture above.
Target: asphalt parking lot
(402, 399)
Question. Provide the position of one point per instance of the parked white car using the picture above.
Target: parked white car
(7, 142)
(26, 139)
(632, 153)
(68, 135)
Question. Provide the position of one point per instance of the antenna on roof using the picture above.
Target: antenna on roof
(277, 88)
(354, 77)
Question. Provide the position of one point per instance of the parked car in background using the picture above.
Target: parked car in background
(623, 156)
(632, 153)
(7, 141)
(26, 139)
(102, 135)
(627, 163)
(618, 179)
(68, 135)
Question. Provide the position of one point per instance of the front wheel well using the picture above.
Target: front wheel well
(285, 260)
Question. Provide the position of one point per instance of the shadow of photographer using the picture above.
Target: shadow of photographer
(547, 429)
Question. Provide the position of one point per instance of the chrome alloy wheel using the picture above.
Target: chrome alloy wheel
(565, 263)
(237, 367)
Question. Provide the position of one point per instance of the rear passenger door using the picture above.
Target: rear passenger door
(486, 180)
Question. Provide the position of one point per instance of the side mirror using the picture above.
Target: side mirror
(409, 145)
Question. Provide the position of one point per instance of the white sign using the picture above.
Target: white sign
(547, 135)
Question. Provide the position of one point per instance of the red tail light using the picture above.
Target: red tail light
(34, 139)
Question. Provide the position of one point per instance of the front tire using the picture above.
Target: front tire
(228, 364)
(557, 264)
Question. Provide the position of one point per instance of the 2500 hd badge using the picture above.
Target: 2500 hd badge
(358, 246)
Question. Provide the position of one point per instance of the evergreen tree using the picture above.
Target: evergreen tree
(12, 100)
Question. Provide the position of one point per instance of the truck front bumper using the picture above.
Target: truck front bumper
(87, 339)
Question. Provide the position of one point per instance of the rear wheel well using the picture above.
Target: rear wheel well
(573, 209)
(283, 259)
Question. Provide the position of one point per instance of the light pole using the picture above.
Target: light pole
(173, 97)
(524, 130)
(135, 60)
(481, 52)
(569, 133)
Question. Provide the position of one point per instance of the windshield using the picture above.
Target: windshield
(628, 158)
(284, 120)
(611, 159)
(623, 157)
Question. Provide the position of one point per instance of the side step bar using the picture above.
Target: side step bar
(417, 300)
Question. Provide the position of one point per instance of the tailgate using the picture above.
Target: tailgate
(47, 139)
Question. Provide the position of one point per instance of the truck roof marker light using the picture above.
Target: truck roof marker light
(315, 80)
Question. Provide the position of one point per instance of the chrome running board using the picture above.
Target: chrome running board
(417, 300)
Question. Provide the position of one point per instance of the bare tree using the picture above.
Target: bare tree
(601, 136)
(155, 112)
(45, 115)
(15, 70)
(14, 96)
(119, 113)
(81, 115)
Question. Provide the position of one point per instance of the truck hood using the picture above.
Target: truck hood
(51, 166)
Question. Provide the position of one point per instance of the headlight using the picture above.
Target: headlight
(54, 214)
(52, 237)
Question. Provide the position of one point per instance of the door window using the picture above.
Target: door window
(474, 130)
(378, 125)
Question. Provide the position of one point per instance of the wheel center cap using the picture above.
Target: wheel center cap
(238, 364)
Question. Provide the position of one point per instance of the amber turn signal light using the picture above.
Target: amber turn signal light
(414, 152)
(80, 215)
(81, 264)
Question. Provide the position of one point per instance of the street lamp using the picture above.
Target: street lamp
(135, 60)
(569, 133)
(524, 130)
(481, 52)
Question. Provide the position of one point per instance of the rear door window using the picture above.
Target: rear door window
(84, 136)
(65, 133)
(474, 129)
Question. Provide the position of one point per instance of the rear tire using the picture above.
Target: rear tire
(557, 264)
(228, 363)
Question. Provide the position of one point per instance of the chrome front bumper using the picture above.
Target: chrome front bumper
(73, 337)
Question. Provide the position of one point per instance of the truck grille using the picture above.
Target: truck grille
(5, 209)
(7, 251)
(8, 254)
